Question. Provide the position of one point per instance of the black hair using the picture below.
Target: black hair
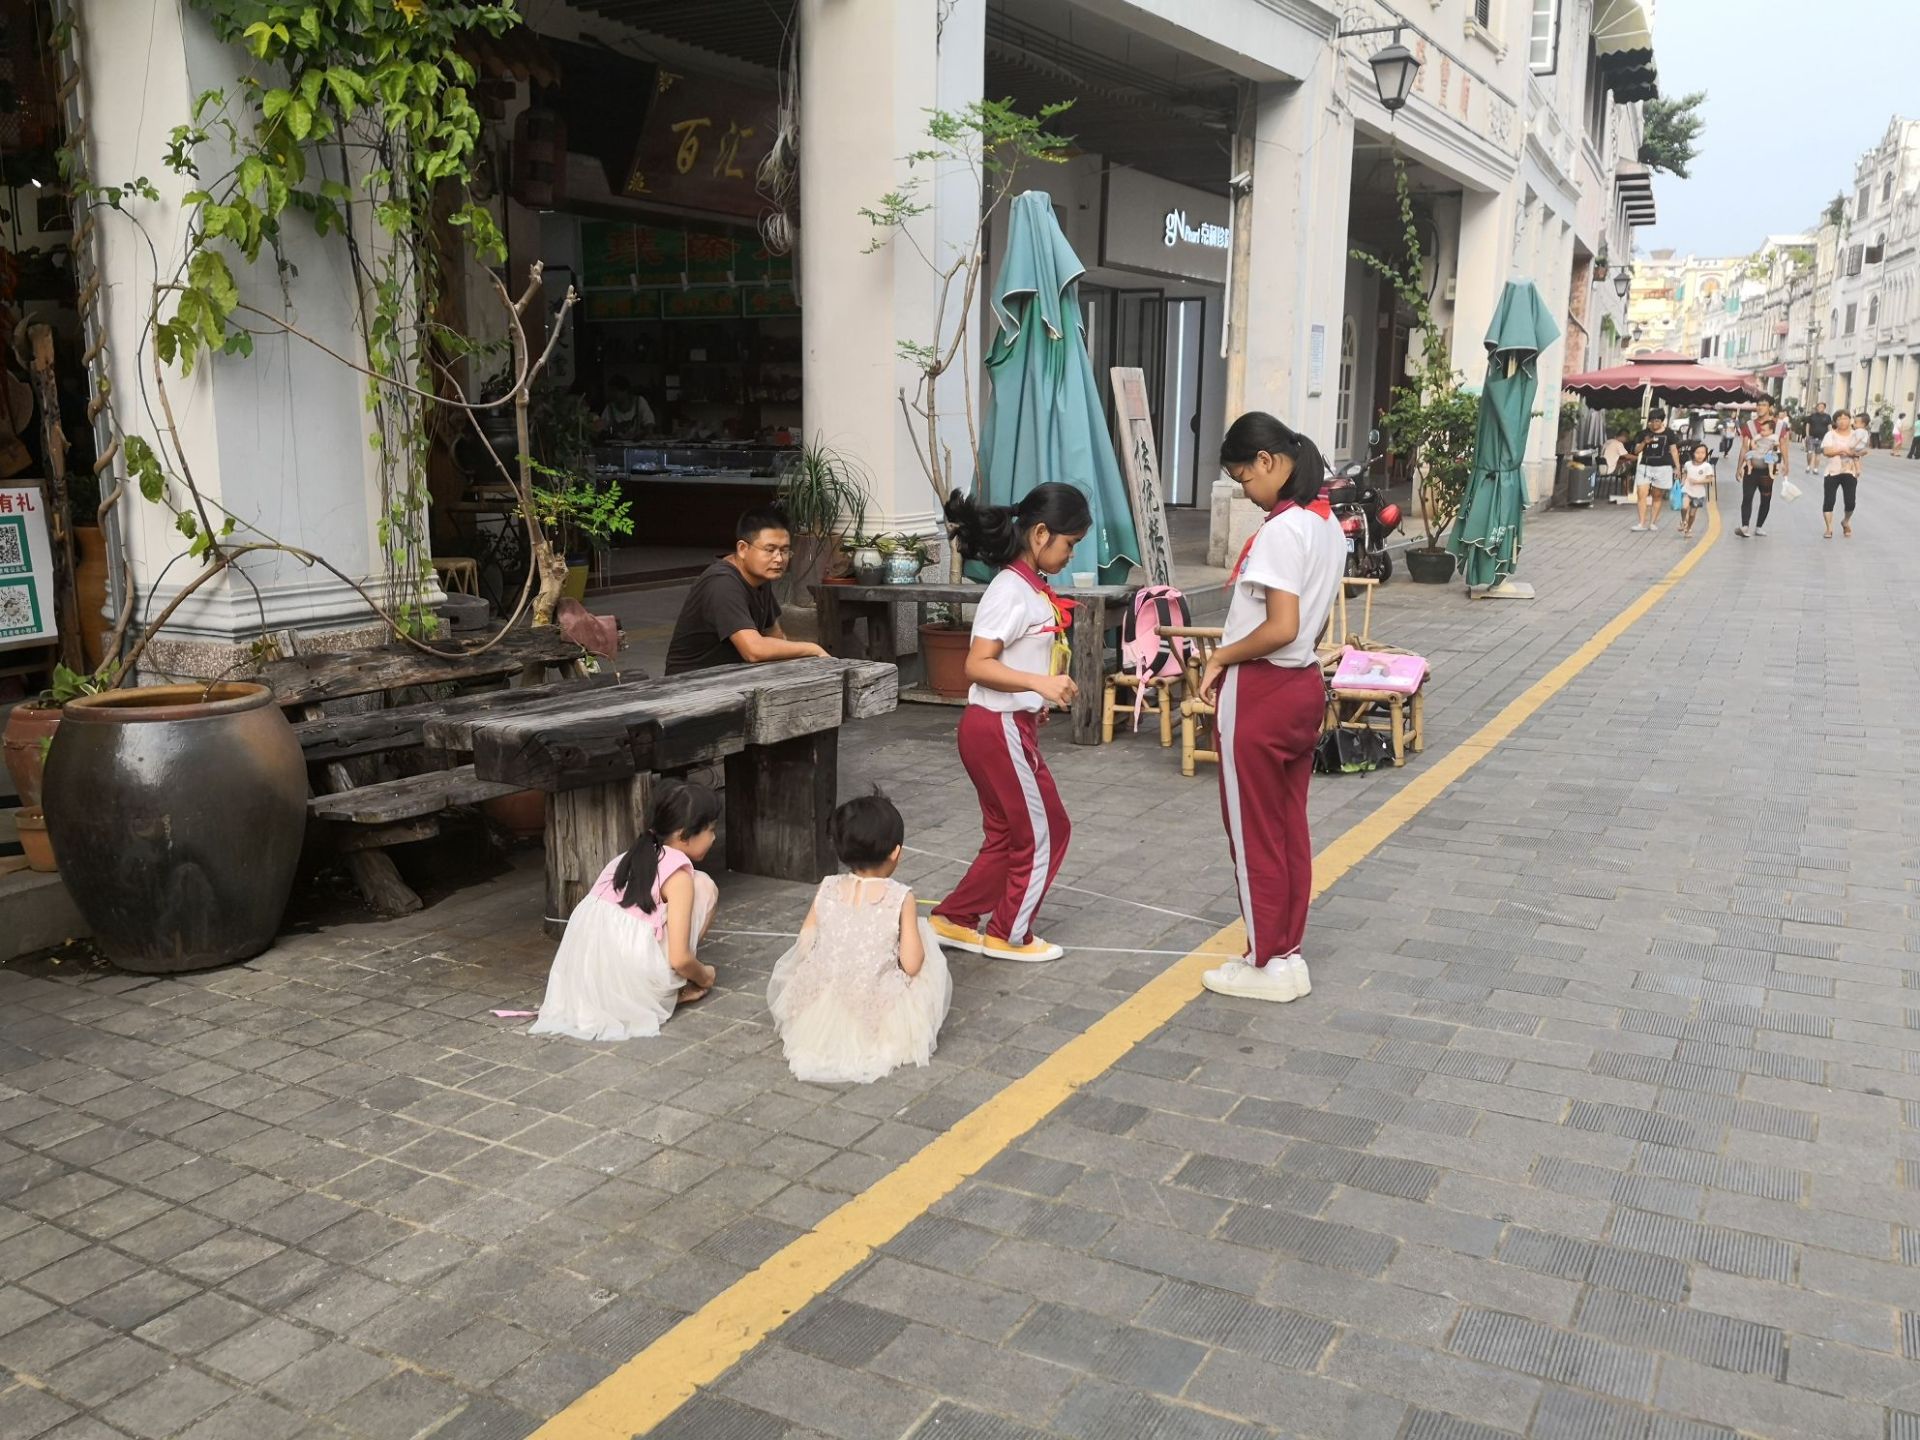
(866, 831)
(1653, 415)
(680, 811)
(760, 517)
(1843, 415)
(1257, 431)
(997, 534)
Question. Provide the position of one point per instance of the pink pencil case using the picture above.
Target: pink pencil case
(1371, 670)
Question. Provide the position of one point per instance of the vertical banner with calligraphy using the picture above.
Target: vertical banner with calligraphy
(1140, 462)
(26, 568)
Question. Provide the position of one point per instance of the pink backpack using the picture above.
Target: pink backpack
(1145, 654)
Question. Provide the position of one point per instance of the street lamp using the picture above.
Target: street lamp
(1394, 68)
(1622, 282)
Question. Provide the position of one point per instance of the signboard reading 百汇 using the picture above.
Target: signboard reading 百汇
(1165, 229)
(26, 568)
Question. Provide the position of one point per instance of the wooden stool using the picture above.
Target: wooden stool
(1406, 716)
(458, 574)
(1162, 702)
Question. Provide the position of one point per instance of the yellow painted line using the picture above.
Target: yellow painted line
(664, 1376)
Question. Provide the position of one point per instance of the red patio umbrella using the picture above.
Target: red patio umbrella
(1665, 376)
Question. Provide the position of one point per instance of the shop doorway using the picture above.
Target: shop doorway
(1165, 339)
(1181, 391)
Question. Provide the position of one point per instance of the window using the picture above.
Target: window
(1596, 99)
(1876, 251)
(1483, 14)
(1343, 402)
(1852, 312)
(1855, 253)
(1862, 202)
(1886, 188)
(1873, 312)
(1543, 38)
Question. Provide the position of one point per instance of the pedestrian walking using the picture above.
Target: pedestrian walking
(1779, 431)
(1269, 698)
(1759, 468)
(1726, 438)
(1658, 457)
(1697, 478)
(1818, 423)
(1017, 663)
(1842, 449)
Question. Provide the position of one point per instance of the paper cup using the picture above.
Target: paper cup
(1085, 579)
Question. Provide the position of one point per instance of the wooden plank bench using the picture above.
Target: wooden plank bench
(775, 728)
(342, 748)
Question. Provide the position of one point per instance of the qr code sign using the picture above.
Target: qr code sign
(19, 611)
(13, 546)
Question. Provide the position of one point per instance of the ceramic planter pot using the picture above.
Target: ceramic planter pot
(31, 825)
(177, 812)
(1430, 567)
(903, 569)
(29, 727)
(943, 653)
(869, 566)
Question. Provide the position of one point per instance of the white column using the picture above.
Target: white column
(1487, 239)
(868, 71)
(278, 439)
(1296, 274)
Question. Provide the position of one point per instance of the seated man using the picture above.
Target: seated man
(730, 615)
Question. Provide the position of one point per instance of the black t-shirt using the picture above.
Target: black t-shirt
(1818, 423)
(720, 604)
(1662, 449)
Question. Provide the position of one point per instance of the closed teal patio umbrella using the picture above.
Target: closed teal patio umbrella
(1045, 421)
(1486, 537)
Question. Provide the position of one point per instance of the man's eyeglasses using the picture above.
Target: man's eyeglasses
(776, 551)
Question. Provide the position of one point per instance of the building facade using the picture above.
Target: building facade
(1227, 159)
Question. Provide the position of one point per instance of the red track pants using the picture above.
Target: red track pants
(1026, 826)
(1269, 719)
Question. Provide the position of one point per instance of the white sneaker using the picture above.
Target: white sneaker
(1758, 533)
(1272, 981)
(1297, 967)
(1641, 529)
(1654, 526)
(1742, 531)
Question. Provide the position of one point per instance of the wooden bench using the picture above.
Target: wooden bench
(367, 811)
(775, 727)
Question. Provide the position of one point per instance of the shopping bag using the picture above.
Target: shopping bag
(1677, 497)
(1789, 490)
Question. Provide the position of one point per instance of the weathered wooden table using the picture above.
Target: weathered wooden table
(1100, 609)
(594, 753)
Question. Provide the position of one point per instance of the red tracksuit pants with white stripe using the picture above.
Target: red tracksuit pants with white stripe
(1026, 826)
(1269, 719)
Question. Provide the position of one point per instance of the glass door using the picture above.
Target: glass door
(1179, 427)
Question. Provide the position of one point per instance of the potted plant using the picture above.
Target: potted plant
(869, 563)
(825, 495)
(944, 643)
(906, 556)
(30, 729)
(1431, 419)
(581, 514)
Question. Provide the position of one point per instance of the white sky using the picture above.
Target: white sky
(1794, 93)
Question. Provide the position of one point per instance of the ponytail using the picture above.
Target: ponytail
(997, 534)
(680, 810)
(1256, 431)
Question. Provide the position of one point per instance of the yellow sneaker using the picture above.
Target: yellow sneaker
(1032, 952)
(959, 937)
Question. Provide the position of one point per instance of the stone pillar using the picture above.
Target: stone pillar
(1487, 240)
(278, 439)
(1296, 274)
(869, 69)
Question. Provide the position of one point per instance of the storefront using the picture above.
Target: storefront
(684, 349)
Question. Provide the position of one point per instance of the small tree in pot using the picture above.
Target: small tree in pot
(1431, 420)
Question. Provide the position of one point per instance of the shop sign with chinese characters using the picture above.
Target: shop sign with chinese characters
(26, 568)
(703, 141)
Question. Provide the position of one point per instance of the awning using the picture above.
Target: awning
(1634, 182)
(1772, 372)
(1674, 378)
(1623, 43)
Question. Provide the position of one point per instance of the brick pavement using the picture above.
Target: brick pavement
(1603, 1119)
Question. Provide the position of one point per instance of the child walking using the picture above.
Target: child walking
(628, 957)
(866, 988)
(1017, 666)
(1697, 478)
(1265, 683)
(1759, 464)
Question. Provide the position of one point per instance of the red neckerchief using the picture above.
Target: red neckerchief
(1318, 506)
(1062, 607)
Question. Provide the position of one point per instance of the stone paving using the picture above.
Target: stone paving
(1603, 1119)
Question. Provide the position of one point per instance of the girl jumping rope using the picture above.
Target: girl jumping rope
(1269, 699)
(1017, 665)
(628, 958)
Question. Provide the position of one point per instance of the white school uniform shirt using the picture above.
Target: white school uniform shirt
(1022, 620)
(1303, 554)
(1696, 474)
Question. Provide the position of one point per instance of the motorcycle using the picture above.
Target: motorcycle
(1366, 517)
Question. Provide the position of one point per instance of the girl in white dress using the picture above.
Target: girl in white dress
(628, 958)
(866, 988)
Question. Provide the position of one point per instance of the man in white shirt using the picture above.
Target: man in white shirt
(627, 413)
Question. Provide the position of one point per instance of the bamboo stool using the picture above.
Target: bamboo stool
(1405, 722)
(1161, 702)
(459, 574)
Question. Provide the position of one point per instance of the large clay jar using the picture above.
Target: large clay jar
(176, 814)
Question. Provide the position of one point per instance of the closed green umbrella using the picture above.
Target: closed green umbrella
(1044, 418)
(1486, 537)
